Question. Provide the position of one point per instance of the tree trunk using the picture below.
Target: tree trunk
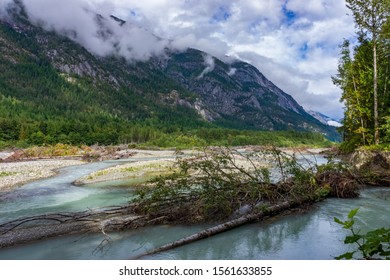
(376, 117)
(35, 228)
(361, 115)
(222, 228)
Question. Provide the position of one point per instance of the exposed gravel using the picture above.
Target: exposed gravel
(128, 170)
(13, 174)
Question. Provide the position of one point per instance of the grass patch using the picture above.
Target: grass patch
(57, 150)
(5, 174)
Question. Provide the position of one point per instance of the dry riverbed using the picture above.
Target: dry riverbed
(129, 170)
(16, 170)
(161, 162)
(14, 174)
(146, 162)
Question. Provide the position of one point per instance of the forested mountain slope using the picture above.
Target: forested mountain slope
(52, 89)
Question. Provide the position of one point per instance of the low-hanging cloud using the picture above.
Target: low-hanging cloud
(232, 71)
(294, 43)
(210, 65)
(4, 5)
(91, 26)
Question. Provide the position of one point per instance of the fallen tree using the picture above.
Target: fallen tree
(39, 227)
(217, 185)
(272, 210)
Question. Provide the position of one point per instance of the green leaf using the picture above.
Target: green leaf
(385, 253)
(349, 224)
(352, 213)
(352, 239)
(347, 256)
(338, 221)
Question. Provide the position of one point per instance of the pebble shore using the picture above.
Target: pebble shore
(13, 174)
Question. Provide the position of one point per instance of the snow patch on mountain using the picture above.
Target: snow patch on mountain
(324, 119)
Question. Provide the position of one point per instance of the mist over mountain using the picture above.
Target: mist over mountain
(86, 25)
(72, 65)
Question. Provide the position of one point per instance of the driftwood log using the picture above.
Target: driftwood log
(40, 227)
(272, 210)
(35, 228)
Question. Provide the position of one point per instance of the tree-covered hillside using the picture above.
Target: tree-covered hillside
(54, 90)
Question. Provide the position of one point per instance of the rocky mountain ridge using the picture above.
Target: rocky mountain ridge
(232, 95)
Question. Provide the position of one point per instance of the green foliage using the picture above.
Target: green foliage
(217, 183)
(229, 137)
(363, 76)
(369, 15)
(373, 244)
(386, 129)
(4, 174)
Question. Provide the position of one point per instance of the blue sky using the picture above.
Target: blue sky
(294, 43)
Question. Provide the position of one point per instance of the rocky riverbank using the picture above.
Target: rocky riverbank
(373, 167)
(13, 174)
(129, 170)
(25, 165)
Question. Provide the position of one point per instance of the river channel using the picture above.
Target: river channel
(310, 235)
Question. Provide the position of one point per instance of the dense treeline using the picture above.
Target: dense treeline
(364, 76)
(18, 133)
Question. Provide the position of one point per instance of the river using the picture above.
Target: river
(310, 235)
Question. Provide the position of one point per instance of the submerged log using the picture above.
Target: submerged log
(271, 210)
(35, 228)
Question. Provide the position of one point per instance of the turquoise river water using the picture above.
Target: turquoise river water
(309, 236)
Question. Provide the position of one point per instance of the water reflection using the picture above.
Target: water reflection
(58, 194)
(311, 235)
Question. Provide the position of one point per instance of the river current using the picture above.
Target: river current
(310, 235)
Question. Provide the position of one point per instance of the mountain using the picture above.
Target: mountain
(237, 94)
(52, 89)
(324, 119)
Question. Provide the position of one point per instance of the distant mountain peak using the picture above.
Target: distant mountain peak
(325, 119)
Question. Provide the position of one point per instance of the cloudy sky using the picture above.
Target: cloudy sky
(294, 43)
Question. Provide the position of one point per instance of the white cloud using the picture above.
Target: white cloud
(3, 7)
(293, 42)
(210, 65)
(232, 71)
(334, 123)
(79, 21)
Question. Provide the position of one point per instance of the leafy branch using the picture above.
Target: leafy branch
(374, 244)
(219, 183)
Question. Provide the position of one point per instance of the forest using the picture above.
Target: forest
(39, 106)
(363, 76)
